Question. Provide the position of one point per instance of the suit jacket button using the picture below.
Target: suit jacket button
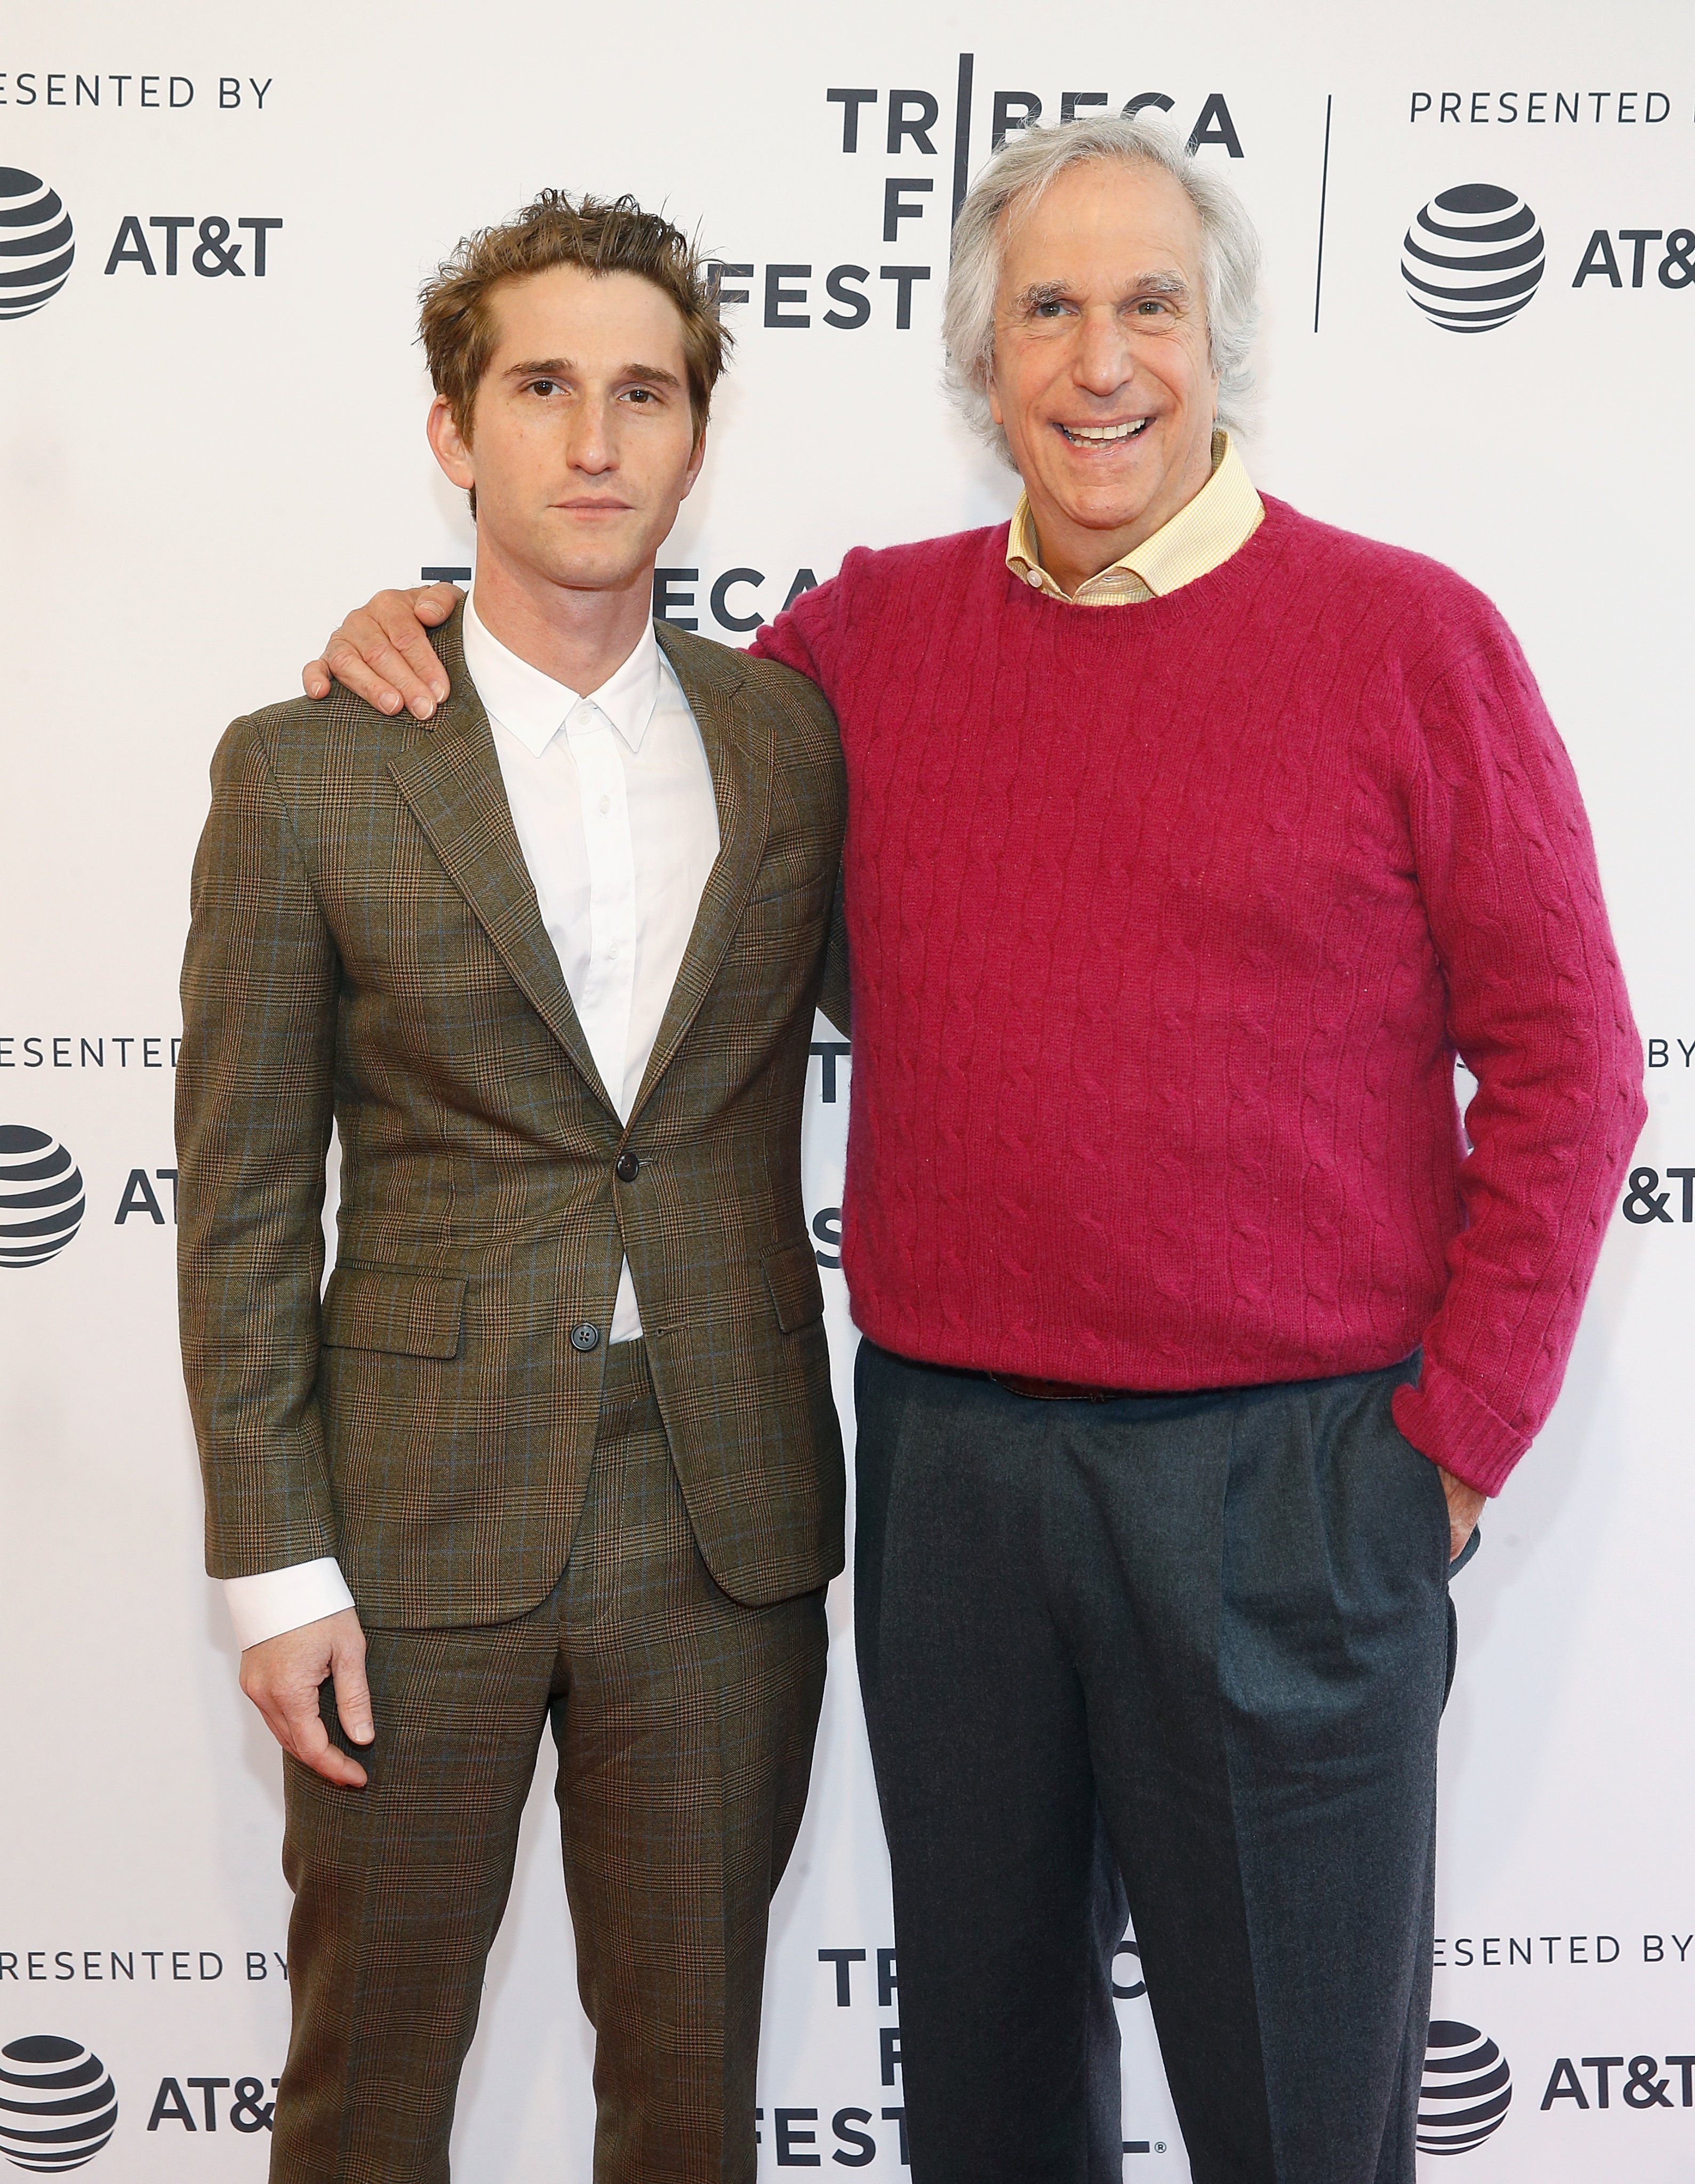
(627, 1168)
(585, 1337)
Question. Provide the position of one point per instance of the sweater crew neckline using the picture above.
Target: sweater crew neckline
(1197, 598)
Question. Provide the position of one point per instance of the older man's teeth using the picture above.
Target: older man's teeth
(1101, 436)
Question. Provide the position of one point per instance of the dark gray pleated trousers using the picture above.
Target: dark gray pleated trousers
(1199, 1642)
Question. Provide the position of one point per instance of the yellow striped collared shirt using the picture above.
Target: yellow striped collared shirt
(1223, 516)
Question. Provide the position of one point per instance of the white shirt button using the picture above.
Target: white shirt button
(606, 803)
(1033, 577)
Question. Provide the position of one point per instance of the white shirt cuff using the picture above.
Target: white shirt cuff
(275, 1600)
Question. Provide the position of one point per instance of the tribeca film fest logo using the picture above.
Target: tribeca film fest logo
(42, 1197)
(1466, 2090)
(1472, 257)
(36, 244)
(58, 2103)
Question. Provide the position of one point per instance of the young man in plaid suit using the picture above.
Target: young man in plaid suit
(557, 1444)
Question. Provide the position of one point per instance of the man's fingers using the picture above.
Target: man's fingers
(1465, 1506)
(401, 617)
(299, 1728)
(309, 1742)
(383, 652)
(348, 664)
(391, 644)
(353, 1694)
(435, 603)
(284, 1677)
(411, 642)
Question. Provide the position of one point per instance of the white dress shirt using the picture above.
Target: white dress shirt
(611, 799)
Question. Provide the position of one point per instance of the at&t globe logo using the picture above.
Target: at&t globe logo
(58, 2103)
(1472, 257)
(1466, 2091)
(35, 245)
(42, 1201)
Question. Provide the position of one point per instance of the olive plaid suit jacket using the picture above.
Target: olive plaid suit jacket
(366, 945)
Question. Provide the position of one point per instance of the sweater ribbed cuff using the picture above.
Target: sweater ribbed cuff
(1445, 1421)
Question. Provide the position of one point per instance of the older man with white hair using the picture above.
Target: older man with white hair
(1190, 841)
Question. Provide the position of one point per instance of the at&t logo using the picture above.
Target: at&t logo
(36, 244)
(1466, 2091)
(1645, 1201)
(58, 2103)
(42, 1198)
(1472, 257)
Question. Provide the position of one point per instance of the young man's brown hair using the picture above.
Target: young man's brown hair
(599, 235)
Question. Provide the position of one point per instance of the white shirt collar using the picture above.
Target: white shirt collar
(534, 707)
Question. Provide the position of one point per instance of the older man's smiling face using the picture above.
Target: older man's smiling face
(1102, 381)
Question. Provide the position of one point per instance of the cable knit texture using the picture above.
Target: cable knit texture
(1166, 922)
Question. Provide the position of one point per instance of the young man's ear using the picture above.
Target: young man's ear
(694, 463)
(450, 445)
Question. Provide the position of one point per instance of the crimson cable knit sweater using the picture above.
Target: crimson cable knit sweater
(1166, 922)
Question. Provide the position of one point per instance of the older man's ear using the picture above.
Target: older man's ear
(380, 652)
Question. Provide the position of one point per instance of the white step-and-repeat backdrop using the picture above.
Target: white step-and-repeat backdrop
(211, 442)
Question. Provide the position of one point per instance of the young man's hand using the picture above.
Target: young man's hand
(383, 655)
(281, 1676)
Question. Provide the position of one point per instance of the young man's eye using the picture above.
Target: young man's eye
(543, 386)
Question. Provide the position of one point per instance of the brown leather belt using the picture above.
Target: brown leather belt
(1056, 1392)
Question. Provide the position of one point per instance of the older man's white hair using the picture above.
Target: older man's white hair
(1016, 177)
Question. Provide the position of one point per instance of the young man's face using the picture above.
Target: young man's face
(581, 443)
(1102, 379)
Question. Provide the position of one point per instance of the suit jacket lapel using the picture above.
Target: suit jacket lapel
(451, 780)
(740, 752)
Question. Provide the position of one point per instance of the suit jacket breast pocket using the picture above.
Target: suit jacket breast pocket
(789, 910)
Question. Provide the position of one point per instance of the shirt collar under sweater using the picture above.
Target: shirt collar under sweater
(1223, 516)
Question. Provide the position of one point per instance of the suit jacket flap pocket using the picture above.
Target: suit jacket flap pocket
(792, 1277)
(388, 1309)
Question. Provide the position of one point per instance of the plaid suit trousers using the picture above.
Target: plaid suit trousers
(684, 1723)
